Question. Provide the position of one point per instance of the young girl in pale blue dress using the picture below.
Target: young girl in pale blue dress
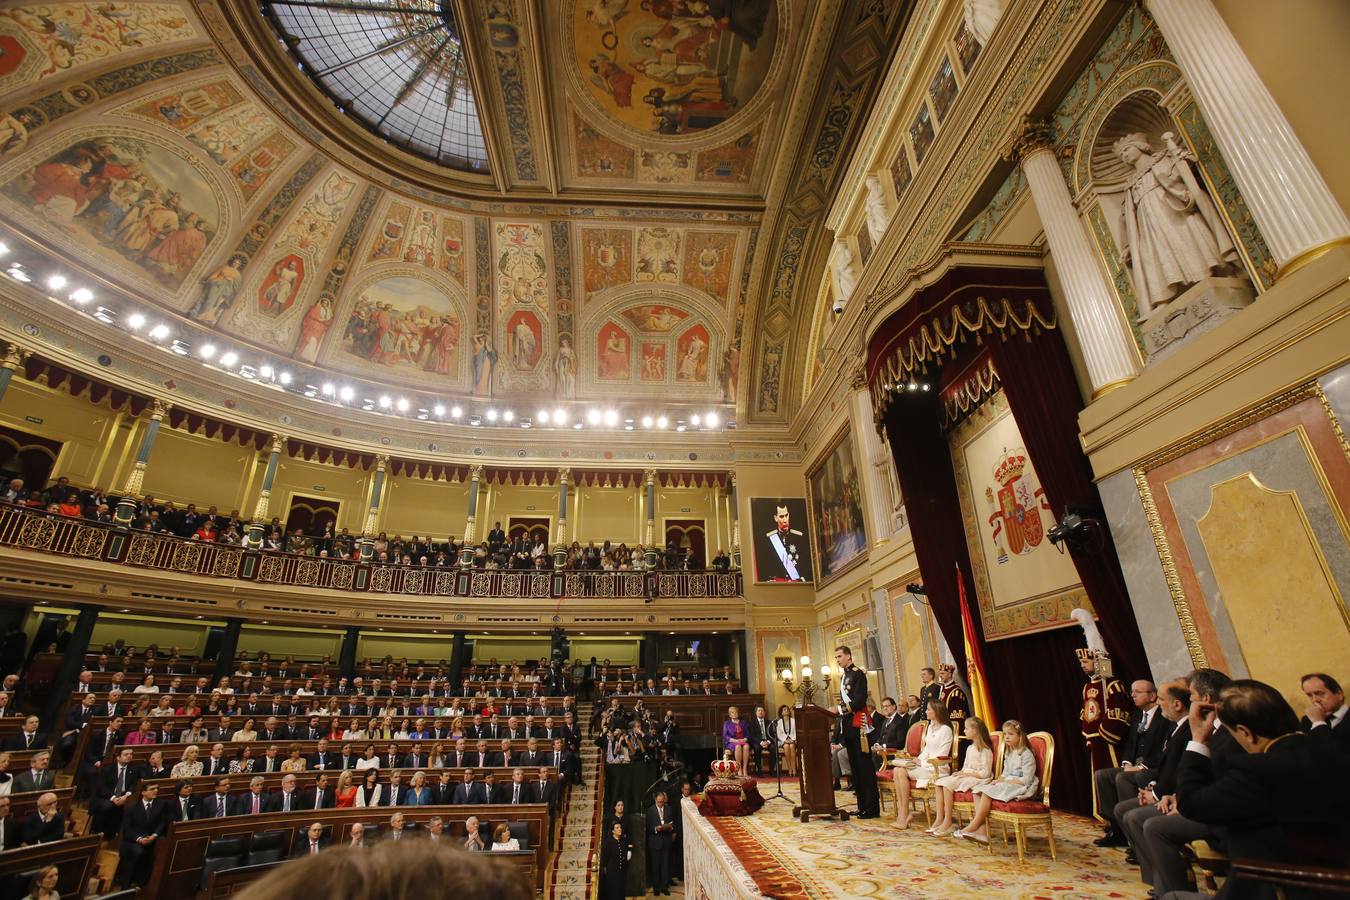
(1017, 782)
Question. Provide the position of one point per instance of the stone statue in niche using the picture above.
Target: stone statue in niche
(845, 274)
(1171, 233)
(877, 217)
(892, 503)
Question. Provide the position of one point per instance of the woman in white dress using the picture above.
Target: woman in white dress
(502, 840)
(979, 769)
(937, 743)
(1018, 781)
(785, 732)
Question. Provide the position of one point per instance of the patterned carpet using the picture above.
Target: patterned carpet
(831, 860)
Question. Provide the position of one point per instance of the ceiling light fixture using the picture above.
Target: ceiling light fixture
(207, 351)
(402, 404)
(266, 371)
(346, 393)
(82, 295)
(662, 422)
(135, 320)
(159, 332)
(509, 416)
(646, 421)
(18, 274)
(385, 401)
(560, 416)
(492, 415)
(694, 420)
(712, 420)
(284, 378)
(328, 389)
(593, 416)
(456, 412)
(542, 416)
(180, 348)
(439, 410)
(56, 282)
(229, 358)
(611, 418)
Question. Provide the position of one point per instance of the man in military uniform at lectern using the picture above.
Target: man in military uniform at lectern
(1105, 717)
(856, 723)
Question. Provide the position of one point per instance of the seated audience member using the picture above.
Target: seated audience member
(27, 737)
(313, 843)
(502, 840)
(473, 835)
(1018, 781)
(112, 791)
(396, 828)
(37, 777)
(357, 839)
(1139, 754)
(252, 802)
(978, 769)
(1326, 717)
(44, 825)
(43, 884)
(1161, 848)
(928, 765)
(1283, 800)
(142, 826)
(188, 766)
(216, 805)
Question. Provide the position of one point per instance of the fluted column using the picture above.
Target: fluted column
(126, 504)
(256, 527)
(878, 493)
(649, 479)
(13, 358)
(466, 551)
(373, 514)
(1295, 210)
(1108, 348)
(735, 522)
(560, 548)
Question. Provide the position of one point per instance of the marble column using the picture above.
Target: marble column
(735, 522)
(373, 514)
(256, 527)
(878, 493)
(1295, 210)
(466, 551)
(126, 504)
(560, 547)
(13, 358)
(1108, 348)
(649, 479)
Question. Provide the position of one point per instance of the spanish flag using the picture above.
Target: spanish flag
(979, 691)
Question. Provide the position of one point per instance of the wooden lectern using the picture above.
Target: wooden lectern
(815, 776)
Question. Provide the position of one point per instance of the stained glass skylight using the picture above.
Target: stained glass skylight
(395, 66)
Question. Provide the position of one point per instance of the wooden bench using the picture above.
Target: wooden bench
(21, 806)
(177, 871)
(76, 859)
(205, 784)
(174, 752)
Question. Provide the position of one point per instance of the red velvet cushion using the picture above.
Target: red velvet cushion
(963, 796)
(886, 775)
(1020, 806)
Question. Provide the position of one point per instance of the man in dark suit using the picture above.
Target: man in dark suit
(321, 796)
(252, 802)
(415, 759)
(215, 762)
(531, 756)
(660, 840)
(37, 777)
(45, 825)
(480, 757)
(182, 805)
(322, 757)
(889, 727)
(515, 791)
(216, 805)
(27, 738)
(546, 790)
(76, 720)
(112, 791)
(504, 758)
(762, 742)
(470, 791)
(287, 799)
(852, 711)
(1283, 800)
(272, 731)
(314, 841)
(1328, 717)
(142, 826)
(1140, 753)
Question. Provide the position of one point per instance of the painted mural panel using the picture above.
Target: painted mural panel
(836, 504)
(521, 265)
(404, 324)
(614, 354)
(139, 202)
(691, 355)
(731, 163)
(657, 318)
(653, 363)
(658, 254)
(942, 89)
(525, 339)
(708, 256)
(606, 258)
(673, 66)
(601, 157)
(38, 40)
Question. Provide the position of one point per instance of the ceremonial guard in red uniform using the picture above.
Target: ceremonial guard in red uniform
(1105, 717)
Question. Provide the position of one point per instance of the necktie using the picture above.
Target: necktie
(28, 739)
(121, 780)
(313, 848)
(285, 802)
(318, 799)
(183, 811)
(557, 761)
(255, 804)
(220, 806)
(515, 794)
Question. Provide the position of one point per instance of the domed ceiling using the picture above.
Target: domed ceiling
(505, 198)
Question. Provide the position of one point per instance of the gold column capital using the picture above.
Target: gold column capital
(649, 476)
(476, 472)
(381, 462)
(159, 409)
(14, 357)
(564, 475)
(278, 442)
(1034, 136)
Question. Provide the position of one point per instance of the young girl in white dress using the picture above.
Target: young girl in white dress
(1018, 781)
(979, 769)
(937, 743)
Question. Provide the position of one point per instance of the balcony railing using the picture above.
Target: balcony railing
(62, 536)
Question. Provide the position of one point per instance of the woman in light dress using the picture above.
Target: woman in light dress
(918, 772)
(188, 766)
(979, 769)
(1018, 781)
(502, 840)
(785, 731)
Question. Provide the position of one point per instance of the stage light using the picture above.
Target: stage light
(628, 427)
(82, 295)
(646, 421)
(266, 371)
(694, 420)
(509, 416)
(207, 351)
(542, 416)
(712, 420)
(492, 415)
(18, 274)
(680, 427)
(229, 358)
(4, 248)
(402, 404)
(346, 393)
(913, 386)
(385, 402)
(135, 321)
(662, 422)
(925, 386)
(439, 410)
(611, 418)
(159, 332)
(560, 416)
(247, 371)
(576, 425)
(328, 389)
(56, 282)
(456, 412)
(593, 416)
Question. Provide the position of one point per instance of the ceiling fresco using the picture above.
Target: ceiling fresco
(644, 238)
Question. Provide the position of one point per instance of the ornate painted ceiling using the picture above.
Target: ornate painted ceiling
(540, 198)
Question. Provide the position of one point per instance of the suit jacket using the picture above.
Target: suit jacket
(9, 833)
(471, 793)
(505, 791)
(302, 846)
(173, 808)
(1338, 735)
(758, 734)
(532, 758)
(17, 741)
(105, 784)
(213, 766)
(502, 760)
(139, 822)
(1267, 805)
(243, 804)
(98, 745)
(546, 792)
(665, 838)
(26, 781)
(326, 798)
(326, 760)
(1145, 748)
(207, 806)
(892, 733)
(36, 831)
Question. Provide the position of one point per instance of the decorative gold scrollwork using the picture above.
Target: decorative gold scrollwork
(668, 586)
(445, 584)
(412, 581)
(143, 550)
(186, 557)
(37, 533)
(698, 586)
(381, 577)
(539, 586)
(510, 585)
(89, 541)
(480, 585)
(271, 569)
(575, 586)
(307, 572)
(343, 576)
(227, 563)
